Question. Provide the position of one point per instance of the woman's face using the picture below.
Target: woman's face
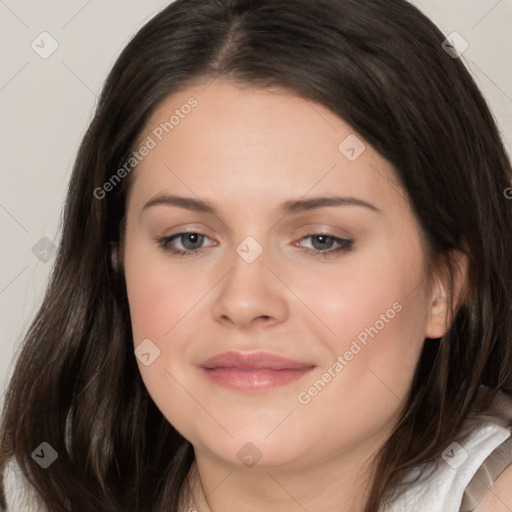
(341, 288)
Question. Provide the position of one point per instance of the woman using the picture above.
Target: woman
(344, 343)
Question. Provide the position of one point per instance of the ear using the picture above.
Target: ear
(449, 285)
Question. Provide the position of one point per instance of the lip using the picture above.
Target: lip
(253, 361)
(253, 372)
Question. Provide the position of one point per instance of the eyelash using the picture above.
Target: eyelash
(345, 245)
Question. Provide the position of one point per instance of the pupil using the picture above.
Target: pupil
(322, 239)
(190, 238)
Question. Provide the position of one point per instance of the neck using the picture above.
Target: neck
(341, 482)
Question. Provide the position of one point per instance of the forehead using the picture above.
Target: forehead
(246, 144)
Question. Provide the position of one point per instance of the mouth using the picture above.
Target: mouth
(253, 372)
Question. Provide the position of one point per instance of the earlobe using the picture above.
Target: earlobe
(449, 291)
(438, 320)
(114, 257)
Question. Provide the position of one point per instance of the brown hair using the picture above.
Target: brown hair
(379, 65)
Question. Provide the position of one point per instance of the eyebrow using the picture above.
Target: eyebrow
(287, 208)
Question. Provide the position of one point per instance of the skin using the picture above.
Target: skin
(499, 496)
(246, 151)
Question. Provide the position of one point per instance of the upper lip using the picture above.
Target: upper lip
(253, 361)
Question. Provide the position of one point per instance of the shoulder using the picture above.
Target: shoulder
(498, 497)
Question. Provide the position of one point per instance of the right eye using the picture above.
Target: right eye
(188, 240)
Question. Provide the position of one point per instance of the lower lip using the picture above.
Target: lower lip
(254, 380)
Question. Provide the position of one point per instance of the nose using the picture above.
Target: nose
(250, 294)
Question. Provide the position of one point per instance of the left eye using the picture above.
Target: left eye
(323, 241)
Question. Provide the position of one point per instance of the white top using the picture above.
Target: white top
(441, 491)
(19, 494)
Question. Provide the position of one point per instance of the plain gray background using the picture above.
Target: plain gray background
(47, 104)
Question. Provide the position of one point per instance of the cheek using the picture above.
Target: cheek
(364, 385)
(361, 300)
(159, 301)
(152, 302)
(376, 312)
(160, 295)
